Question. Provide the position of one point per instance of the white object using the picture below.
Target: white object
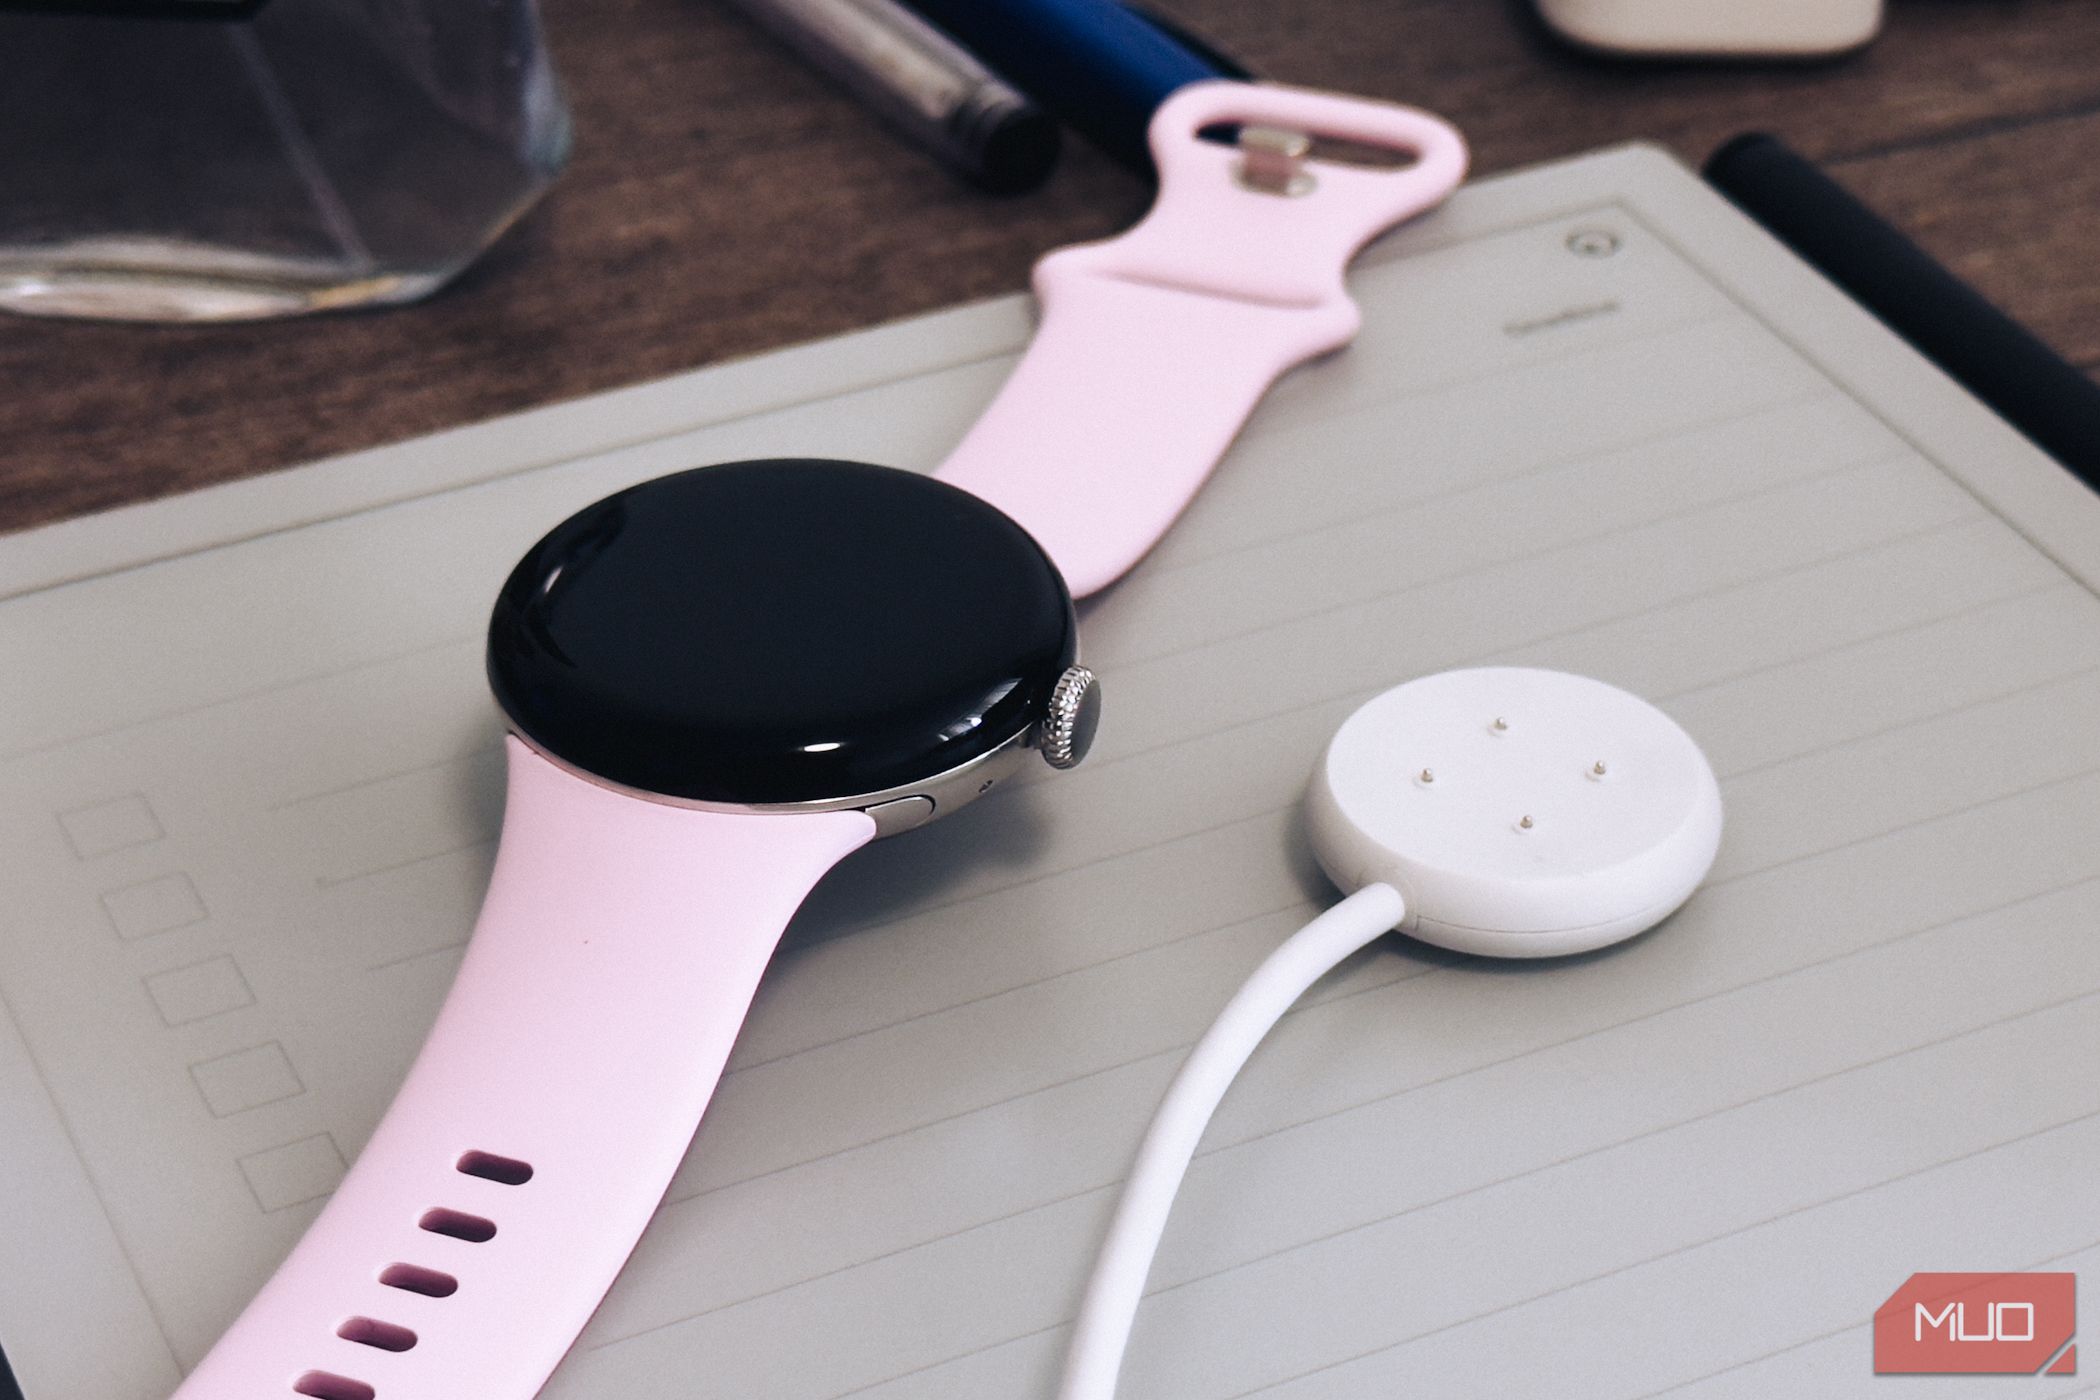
(1103, 1328)
(1715, 28)
(1520, 842)
(1522, 813)
(240, 837)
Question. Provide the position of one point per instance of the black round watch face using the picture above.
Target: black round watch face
(782, 631)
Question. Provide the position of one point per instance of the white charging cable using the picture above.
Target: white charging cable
(1103, 1329)
(1527, 813)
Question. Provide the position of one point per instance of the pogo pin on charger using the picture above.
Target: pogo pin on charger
(1504, 811)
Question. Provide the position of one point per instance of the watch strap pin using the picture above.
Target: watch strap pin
(1272, 160)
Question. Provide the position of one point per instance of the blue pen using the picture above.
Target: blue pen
(1099, 66)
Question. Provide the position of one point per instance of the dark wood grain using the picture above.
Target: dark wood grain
(2016, 213)
(723, 200)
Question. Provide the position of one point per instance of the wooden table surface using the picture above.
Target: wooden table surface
(723, 200)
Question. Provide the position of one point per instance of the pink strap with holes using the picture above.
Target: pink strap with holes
(614, 960)
(1155, 345)
(622, 939)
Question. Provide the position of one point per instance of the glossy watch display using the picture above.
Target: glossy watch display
(783, 634)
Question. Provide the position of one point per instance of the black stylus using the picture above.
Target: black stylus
(1981, 348)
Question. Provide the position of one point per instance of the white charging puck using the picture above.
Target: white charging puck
(1520, 813)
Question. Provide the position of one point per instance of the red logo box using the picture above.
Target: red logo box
(1978, 1324)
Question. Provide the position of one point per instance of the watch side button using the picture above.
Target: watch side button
(1075, 713)
(901, 814)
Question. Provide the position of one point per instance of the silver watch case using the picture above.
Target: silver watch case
(895, 810)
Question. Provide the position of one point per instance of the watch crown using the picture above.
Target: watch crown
(1075, 713)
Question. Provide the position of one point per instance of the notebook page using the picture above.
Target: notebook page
(248, 794)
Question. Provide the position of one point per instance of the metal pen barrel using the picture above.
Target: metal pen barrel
(922, 83)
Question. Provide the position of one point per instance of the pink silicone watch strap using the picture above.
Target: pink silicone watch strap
(1155, 345)
(612, 965)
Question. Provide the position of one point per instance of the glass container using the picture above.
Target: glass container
(177, 162)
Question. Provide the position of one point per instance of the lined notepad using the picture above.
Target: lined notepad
(250, 780)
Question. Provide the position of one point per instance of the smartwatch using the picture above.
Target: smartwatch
(721, 682)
